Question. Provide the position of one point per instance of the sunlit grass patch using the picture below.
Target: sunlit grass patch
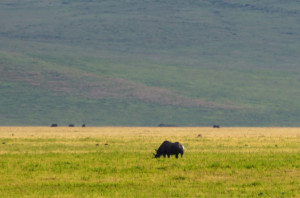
(118, 162)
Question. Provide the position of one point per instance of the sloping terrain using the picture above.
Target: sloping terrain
(145, 63)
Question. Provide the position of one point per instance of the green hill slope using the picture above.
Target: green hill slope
(145, 63)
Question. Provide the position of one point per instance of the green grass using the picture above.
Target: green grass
(236, 53)
(80, 164)
(62, 88)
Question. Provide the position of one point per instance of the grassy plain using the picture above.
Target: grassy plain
(182, 63)
(118, 162)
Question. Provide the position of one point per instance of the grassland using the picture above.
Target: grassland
(118, 162)
(139, 63)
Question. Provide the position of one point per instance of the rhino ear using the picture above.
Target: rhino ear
(155, 150)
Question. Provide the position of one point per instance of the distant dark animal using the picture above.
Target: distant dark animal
(54, 125)
(166, 125)
(169, 148)
(199, 135)
(71, 125)
(216, 126)
(83, 125)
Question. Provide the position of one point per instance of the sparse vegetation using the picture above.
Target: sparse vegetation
(118, 162)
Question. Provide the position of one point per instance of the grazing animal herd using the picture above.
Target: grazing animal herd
(70, 125)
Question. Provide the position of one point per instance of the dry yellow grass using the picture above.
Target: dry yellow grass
(230, 139)
(76, 132)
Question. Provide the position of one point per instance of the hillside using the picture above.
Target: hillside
(191, 63)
